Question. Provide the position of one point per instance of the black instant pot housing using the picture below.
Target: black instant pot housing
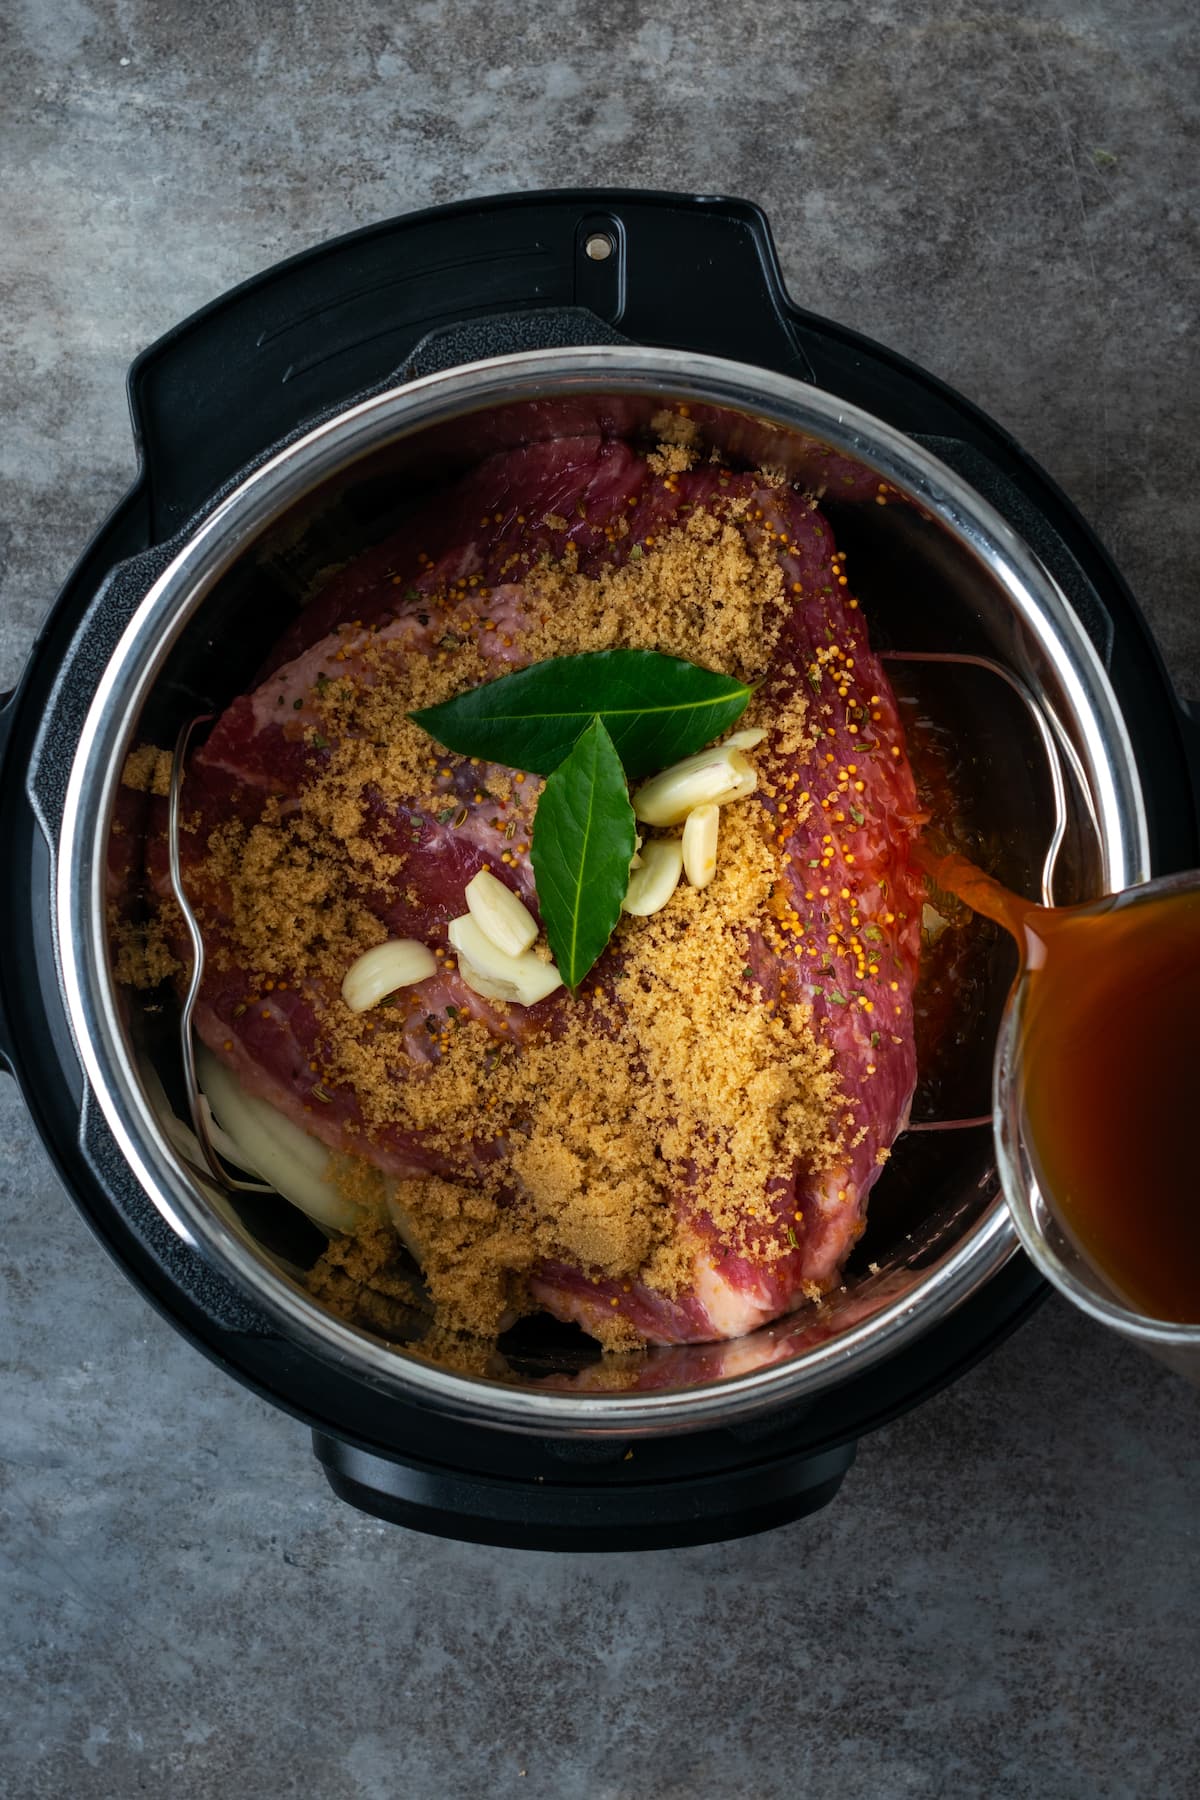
(216, 396)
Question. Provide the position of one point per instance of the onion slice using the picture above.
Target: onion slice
(270, 1145)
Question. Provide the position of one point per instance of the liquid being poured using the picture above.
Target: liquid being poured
(1110, 1071)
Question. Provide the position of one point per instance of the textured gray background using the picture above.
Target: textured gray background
(1002, 1603)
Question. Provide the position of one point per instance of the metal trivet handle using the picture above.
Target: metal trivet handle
(1049, 730)
(216, 1167)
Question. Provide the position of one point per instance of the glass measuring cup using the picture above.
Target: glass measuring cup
(1045, 1233)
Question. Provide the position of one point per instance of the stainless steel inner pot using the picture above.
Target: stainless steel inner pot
(937, 569)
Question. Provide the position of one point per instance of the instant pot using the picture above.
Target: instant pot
(285, 428)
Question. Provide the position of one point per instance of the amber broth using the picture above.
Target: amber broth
(1110, 1061)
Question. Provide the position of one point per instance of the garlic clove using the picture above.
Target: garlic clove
(384, 968)
(536, 982)
(490, 971)
(700, 830)
(746, 739)
(712, 777)
(470, 940)
(651, 885)
(499, 914)
(480, 984)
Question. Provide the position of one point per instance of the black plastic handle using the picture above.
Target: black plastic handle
(120, 594)
(503, 334)
(311, 333)
(576, 1515)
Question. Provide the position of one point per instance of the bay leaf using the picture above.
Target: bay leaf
(655, 709)
(583, 842)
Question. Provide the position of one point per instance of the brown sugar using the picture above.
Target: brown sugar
(704, 589)
(655, 1111)
(147, 770)
(142, 955)
(290, 905)
(740, 1087)
(671, 459)
(361, 1278)
(567, 1168)
(677, 432)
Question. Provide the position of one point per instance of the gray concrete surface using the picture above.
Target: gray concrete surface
(1003, 1601)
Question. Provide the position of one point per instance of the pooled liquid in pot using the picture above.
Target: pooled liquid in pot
(1110, 1072)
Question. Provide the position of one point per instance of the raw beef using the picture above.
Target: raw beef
(852, 894)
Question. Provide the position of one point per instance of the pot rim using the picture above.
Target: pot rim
(255, 503)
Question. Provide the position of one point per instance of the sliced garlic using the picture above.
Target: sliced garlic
(713, 777)
(700, 830)
(490, 971)
(651, 885)
(381, 970)
(499, 914)
(932, 922)
(746, 739)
